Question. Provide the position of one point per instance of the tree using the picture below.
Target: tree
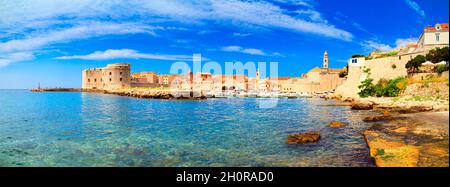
(414, 63)
(367, 88)
(438, 55)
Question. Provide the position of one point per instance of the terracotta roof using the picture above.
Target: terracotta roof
(335, 70)
(444, 27)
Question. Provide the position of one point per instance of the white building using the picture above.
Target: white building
(433, 37)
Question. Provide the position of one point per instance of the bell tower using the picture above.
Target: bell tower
(325, 60)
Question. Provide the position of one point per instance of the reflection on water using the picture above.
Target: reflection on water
(88, 129)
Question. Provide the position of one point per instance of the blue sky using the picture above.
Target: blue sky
(51, 41)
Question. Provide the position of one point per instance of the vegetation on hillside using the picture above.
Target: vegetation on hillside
(438, 55)
(383, 88)
(435, 56)
(414, 63)
(357, 56)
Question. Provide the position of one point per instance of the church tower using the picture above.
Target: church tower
(325, 60)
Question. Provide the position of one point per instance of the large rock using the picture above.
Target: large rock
(336, 124)
(391, 153)
(307, 137)
(362, 105)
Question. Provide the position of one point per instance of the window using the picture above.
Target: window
(437, 37)
(354, 60)
(120, 79)
(89, 80)
(95, 80)
(399, 57)
(120, 73)
(110, 79)
(110, 73)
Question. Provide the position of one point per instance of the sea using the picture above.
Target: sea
(92, 129)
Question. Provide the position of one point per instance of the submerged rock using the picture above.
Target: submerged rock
(377, 117)
(362, 105)
(307, 137)
(336, 124)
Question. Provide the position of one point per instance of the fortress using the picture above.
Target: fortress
(111, 77)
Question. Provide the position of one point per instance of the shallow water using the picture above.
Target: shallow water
(90, 129)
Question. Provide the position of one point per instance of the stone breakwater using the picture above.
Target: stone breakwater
(157, 94)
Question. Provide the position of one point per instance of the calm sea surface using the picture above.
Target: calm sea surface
(89, 129)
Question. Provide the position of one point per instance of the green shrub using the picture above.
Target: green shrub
(393, 66)
(380, 86)
(367, 88)
(357, 56)
(394, 87)
(441, 68)
(384, 87)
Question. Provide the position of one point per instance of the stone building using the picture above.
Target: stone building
(111, 77)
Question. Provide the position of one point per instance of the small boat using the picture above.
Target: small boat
(263, 95)
(219, 95)
(292, 96)
(242, 94)
(304, 95)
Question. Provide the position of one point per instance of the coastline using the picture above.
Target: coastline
(406, 133)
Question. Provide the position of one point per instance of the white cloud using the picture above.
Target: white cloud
(7, 59)
(269, 15)
(401, 42)
(305, 3)
(415, 7)
(84, 31)
(251, 51)
(312, 15)
(47, 13)
(27, 25)
(370, 45)
(127, 54)
(237, 34)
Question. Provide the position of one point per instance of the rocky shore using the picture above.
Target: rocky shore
(156, 94)
(410, 131)
(410, 140)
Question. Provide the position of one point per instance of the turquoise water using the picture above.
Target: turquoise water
(89, 129)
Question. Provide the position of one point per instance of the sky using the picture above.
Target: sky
(51, 41)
